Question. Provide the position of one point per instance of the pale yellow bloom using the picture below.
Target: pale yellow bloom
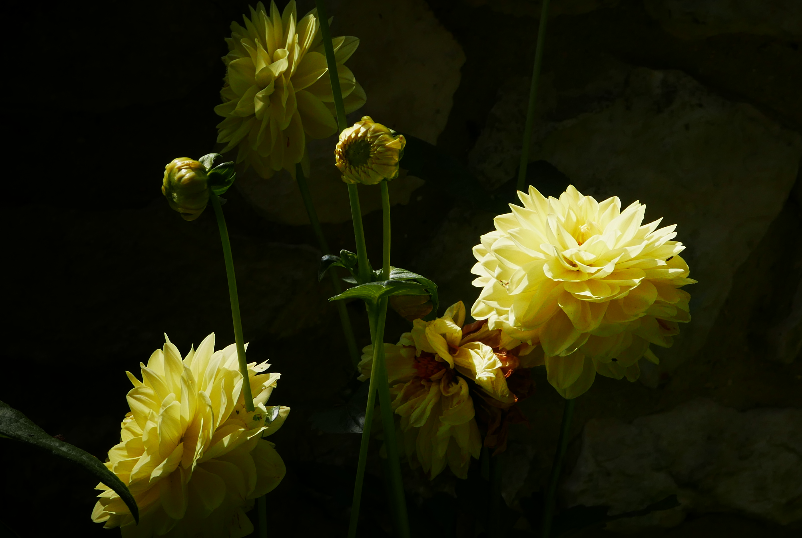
(186, 187)
(428, 372)
(190, 454)
(589, 283)
(277, 89)
(368, 152)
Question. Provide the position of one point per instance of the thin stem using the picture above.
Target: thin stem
(388, 426)
(530, 111)
(261, 503)
(323, 18)
(363, 446)
(345, 320)
(353, 194)
(386, 228)
(232, 293)
(556, 468)
(359, 234)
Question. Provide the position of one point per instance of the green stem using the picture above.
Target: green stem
(353, 194)
(345, 321)
(388, 426)
(530, 111)
(359, 235)
(363, 446)
(556, 468)
(385, 229)
(232, 293)
(337, 93)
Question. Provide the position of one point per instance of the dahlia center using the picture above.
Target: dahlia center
(586, 231)
(357, 153)
(427, 365)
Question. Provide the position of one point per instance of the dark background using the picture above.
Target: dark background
(99, 99)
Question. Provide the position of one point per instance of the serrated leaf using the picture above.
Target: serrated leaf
(373, 291)
(17, 426)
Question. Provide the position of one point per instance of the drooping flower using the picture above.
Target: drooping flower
(369, 152)
(186, 187)
(435, 372)
(588, 284)
(191, 455)
(277, 89)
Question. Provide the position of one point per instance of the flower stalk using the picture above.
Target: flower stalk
(353, 194)
(530, 111)
(556, 468)
(345, 321)
(232, 293)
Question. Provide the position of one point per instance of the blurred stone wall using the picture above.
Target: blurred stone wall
(691, 107)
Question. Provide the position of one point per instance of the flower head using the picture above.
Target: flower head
(277, 89)
(369, 152)
(186, 187)
(190, 454)
(588, 284)
(435, 372)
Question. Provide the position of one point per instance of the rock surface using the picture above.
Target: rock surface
(404, 56)
(697, 19)
(712, 457)
(719, 169)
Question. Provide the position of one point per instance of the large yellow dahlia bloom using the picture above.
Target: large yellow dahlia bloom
(589, 283)
(190, 454)
(432, 372)
(277, 89)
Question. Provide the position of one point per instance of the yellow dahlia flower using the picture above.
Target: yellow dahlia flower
(186, 187)
(368, 152)
(589, 283)
(277, 89)
(432, 372)
(190, 454)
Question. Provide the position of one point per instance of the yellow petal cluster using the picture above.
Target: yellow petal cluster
(190, 454)
(586, 282)
(368, 152)
(277, 89)
(186, 187)
(428, 370)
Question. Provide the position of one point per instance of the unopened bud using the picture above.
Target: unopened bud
(186, 187)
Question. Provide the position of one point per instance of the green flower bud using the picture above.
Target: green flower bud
(186, 187)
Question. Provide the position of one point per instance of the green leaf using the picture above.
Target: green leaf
(327, 262)
(19, 427)
(371, 292)
(582, 517)
(221, 178)
(210, 160)
(397, 273)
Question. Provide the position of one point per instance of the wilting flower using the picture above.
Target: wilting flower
(586, 281)
(186, 187)
(277, 88)
(369, 152)
(191, 455)
(434, 373)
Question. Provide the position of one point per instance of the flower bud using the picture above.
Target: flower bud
(369, 152)
(411, 307)
(186, 187)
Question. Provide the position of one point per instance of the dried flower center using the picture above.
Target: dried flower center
(427, 365)
(357, 153)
